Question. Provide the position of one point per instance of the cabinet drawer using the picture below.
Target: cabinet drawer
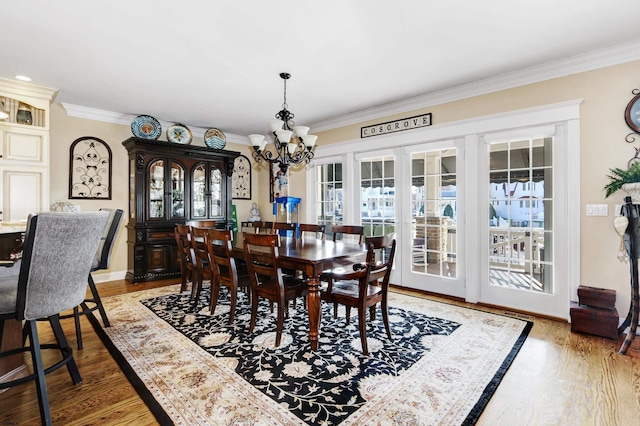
(160, 235)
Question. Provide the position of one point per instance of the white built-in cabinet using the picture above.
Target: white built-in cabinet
(24, 150)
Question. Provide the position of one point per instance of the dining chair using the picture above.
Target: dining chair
(201, 223)
(59, 250)
(312, 230)
(224, 268)
(201, 261)
(101, 261)
(284, 229)
(257, 227)
(267, 280)
(365, 286)
(340, 231)
(186, 258)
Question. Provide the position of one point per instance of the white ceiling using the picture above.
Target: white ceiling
(210, 63)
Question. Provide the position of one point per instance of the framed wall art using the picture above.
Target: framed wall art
(90, 169)
(241, 179)
(279, 183)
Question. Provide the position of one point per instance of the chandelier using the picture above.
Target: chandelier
(291, 144)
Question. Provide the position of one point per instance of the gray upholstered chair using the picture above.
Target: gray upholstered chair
(100, 262)
(58, 252)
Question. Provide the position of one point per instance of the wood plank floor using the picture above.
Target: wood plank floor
(558, 378)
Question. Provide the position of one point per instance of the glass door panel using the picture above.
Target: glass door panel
(520, 215)
(377, 196)
(434, 213)
(329, 207)
(156, 190)
(198, 192)
(177, 191)
(215, 188)
(431, 247)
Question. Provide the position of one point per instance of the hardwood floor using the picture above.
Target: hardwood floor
(558, 378)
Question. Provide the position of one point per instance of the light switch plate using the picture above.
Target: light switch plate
(597, 210)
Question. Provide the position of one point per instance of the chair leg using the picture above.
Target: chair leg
(281, 309)
(76, 317)
(197, 285)
(65, 349)
(38, 367)
(234, 299)
(183, 278)
(194, 289)
(372, 313)
(254, 311)
(215, 290)
(98, 302)
(362, 322)
(385, 316)
(347, 315)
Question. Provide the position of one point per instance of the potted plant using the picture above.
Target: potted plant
(628, 180)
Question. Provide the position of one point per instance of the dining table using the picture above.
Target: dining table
(311, 257)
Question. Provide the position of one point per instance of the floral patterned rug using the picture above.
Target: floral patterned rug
(441, 367)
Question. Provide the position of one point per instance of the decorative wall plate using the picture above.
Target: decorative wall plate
(632, 114)
(146, 127)
(179, 133)
(215, 139)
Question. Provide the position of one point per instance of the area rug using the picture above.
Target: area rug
(441, 367)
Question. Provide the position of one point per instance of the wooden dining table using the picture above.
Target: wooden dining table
(311, 256)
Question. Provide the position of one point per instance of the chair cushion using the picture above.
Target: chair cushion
(8, 294)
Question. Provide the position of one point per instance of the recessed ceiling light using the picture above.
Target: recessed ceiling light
(23, 78)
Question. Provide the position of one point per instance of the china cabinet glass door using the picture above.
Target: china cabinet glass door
(156, 189)
(207, 193)
(216, 192)
(177, 191)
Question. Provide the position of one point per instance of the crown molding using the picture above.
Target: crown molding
(88, 113)
(27, 89)
(573, 65)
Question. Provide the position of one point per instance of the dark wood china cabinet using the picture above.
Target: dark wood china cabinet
(170, 184)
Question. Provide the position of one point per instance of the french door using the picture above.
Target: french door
(486, 209)
(377, 198)
(524, 197)
(433, 205)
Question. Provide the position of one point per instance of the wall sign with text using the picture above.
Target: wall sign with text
(396, 126)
